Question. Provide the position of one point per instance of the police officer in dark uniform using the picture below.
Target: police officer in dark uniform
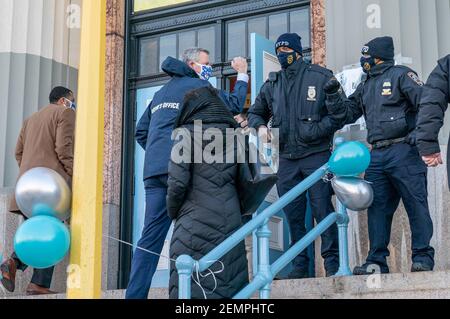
(301, 100)
(389, 98)
(434, 103)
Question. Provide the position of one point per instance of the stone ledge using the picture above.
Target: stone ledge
(433, 285)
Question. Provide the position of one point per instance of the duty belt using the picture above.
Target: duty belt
(387, 143)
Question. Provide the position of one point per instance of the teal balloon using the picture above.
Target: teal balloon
(42, 242)
(350, 159)
(43, 210)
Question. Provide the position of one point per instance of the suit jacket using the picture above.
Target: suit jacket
(46, 140)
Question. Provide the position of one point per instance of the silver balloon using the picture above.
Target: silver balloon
(355, 193)
(44, 190)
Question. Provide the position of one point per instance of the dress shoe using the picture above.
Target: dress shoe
(420, 267)
(9, 269)
(369, 269)
(331, 272)
(35, 290)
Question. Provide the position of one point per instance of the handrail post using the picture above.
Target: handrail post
(263, 234)
(185, 267)
(342, 223)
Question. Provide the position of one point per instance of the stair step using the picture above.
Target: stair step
(426, 285)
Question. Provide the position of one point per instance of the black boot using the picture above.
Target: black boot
(369, 269)
(420, 267)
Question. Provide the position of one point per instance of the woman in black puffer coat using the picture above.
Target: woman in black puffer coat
(203, 200)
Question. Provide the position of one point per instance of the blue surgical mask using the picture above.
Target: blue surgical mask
(367, 63)
(206, 73)
(71, 105)
(287, 59)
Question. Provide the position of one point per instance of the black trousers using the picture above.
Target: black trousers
(290, 174)
(397, 172)
(41, 277)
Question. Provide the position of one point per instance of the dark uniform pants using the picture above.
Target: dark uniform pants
(291, 173)
(156, 227)
(41, 277)
(397, 172)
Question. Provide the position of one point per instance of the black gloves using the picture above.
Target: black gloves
(332, 86)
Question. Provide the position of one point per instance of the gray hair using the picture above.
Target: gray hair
(193, 54)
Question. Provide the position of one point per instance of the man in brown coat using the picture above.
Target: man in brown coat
(46, 140)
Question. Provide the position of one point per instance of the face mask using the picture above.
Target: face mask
(206, 73)
(287, 59)
(71, 105)
(367, 63)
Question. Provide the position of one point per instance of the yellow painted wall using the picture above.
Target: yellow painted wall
(140, 5)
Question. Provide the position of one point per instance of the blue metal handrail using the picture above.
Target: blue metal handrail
(265, 273)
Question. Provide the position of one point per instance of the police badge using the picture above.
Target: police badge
(312, 93)
(290, 59)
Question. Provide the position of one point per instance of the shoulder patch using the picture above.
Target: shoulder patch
(415, 78)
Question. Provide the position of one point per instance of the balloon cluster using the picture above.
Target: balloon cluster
(44, 197)
(349, 160)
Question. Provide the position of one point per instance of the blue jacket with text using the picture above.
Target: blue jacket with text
(154, 130)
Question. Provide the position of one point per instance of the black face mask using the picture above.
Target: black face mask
(287, 59)
(367, 63)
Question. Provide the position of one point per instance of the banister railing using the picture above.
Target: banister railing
(265, 271)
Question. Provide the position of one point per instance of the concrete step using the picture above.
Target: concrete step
(430, 285)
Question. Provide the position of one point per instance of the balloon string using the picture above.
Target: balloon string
(195, 275)
(140, 248)
(198, 274)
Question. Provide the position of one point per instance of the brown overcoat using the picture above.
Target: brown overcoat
(47, 140)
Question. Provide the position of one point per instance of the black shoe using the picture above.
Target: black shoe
(331, 272)
(420, 267)
(369, 269)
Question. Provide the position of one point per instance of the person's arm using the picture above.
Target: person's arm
(178, 184)
(143, 127)
(64, 145)
(411, 87)
(260, 112)
(341, 110)
(433, 105)
(353, 106)
(19, 145)
(236, 100)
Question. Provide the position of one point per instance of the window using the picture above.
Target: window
(259, 26)
(186, 40)
(167, 47)
(236, 39)
(277, 25)
(207, 40)
(141, 5)
(270, 26)
(154, 50)
(148, 56)
(300, 23)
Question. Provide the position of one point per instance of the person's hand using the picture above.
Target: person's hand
(264, 134)
(332, 86)
(240, 65)
(242, 121)
(433, 160)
